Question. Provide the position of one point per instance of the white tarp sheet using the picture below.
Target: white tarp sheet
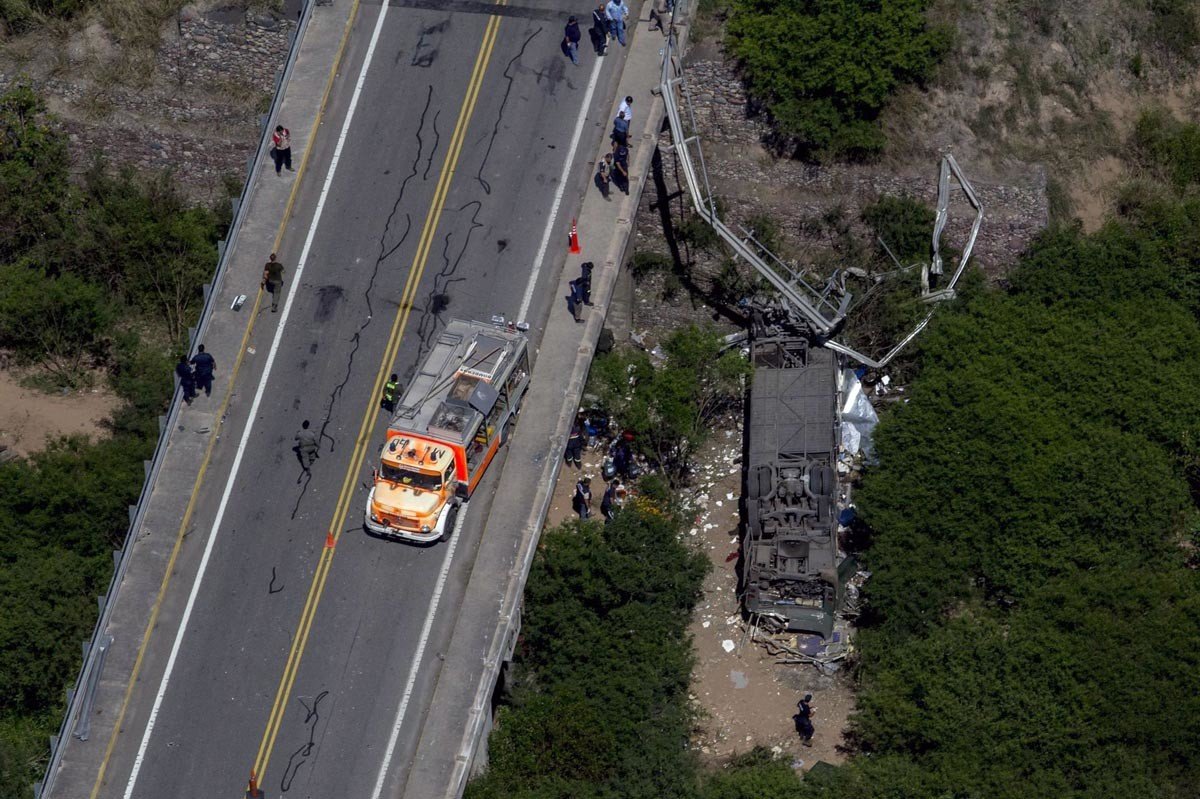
(858, 415)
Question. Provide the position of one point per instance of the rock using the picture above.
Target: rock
(202, 38)
(189, 13)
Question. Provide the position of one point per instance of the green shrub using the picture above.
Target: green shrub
(824, 69)
(61, 324)
(1168, 146)
(905, 224)
(35, 194)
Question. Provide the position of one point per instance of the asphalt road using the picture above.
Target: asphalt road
(342, 701)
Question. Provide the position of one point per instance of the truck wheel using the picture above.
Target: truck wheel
(451, 518)
(506, 431)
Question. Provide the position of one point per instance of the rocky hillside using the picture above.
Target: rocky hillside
(187, 96)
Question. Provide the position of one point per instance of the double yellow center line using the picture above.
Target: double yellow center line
(337, 524)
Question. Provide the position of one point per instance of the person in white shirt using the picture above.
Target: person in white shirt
(626, 108)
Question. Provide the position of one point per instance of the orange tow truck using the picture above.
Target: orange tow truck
(448, 426)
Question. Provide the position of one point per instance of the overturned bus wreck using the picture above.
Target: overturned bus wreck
(794, 578)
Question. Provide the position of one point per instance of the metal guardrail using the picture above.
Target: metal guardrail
(820, 312)
(80, 698)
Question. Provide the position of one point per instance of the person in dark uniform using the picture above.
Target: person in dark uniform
(306, 446)
(585, 282)
(599, 29)
(187, 381)
(205, 365)
(608, 504)
(574, 453)
(575, 300)
(272, 281)
(389, 394)
(803, 717)
(620, 173)
(581, 503)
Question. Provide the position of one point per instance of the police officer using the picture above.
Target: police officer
(205, 365)
(608, 504)
(581, 503)
(803, 717)
(272, 280)
(187, 381)
(306, 446)
(574, 453)
(388, 403)
(585, 282)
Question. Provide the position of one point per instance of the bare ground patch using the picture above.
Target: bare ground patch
(28, 418)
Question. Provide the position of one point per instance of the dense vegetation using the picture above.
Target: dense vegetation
(824, 69)
(97, 281)
(599, 704)
(1034, 626)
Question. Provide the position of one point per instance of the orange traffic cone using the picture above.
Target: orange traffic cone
(574, 240)
(329, 540)
(252, 791)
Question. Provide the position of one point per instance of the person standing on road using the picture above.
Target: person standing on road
(187, 381)
(617, 13)
(620, 174)
(388, 403)
(272, 281)
(205, 366)
(626, 108)
(599, 29)
(604, 175)
(281, 148)
(574, 453)
(585, 282)
(306, 446)
(571, 37)
(620, 132)
(803, 717)
(581, 503)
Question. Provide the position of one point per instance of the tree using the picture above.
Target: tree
(823, 69)
(35, 195)
(62, 324)
(142, 239)
(671, 407)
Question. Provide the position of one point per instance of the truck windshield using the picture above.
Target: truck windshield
(410, 477)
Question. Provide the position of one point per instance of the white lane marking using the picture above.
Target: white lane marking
(552, 220)
(258, 395)
(416, 661)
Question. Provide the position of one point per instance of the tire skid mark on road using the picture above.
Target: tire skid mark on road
(487, 187)
(439, 295)
(300, 756)
(385, 252)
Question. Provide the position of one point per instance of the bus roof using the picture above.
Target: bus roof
(459, 380)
